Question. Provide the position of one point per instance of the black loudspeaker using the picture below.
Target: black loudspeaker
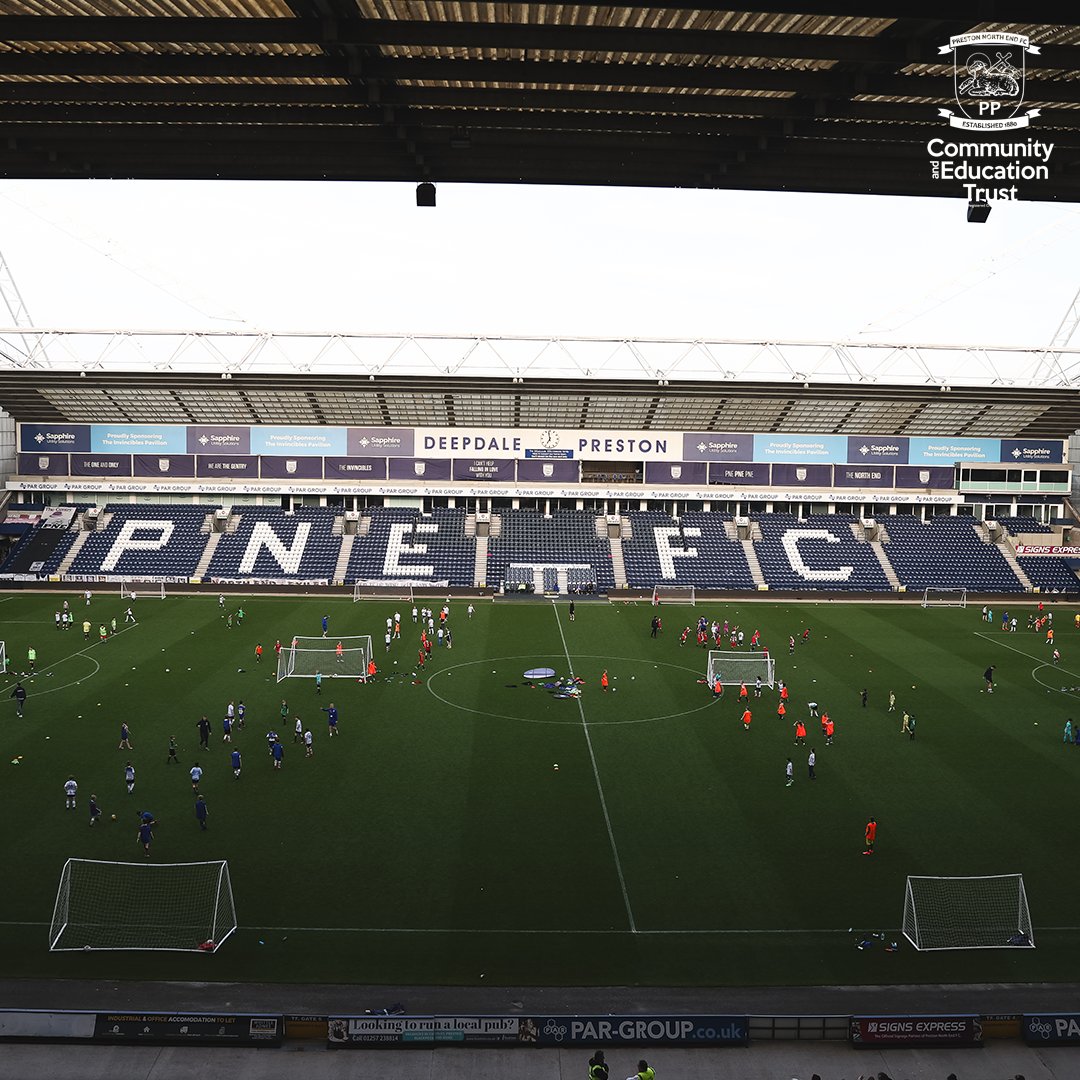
(425, 194)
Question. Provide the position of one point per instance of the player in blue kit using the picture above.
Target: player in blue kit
(146, 834)
(331, 718)
(325, 624)
(235, 759)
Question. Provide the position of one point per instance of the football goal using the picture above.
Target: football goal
(735, 668)
(367, 590)
(307, 657)
(178, 907)
(673, 594)
(130, 590)
(967, 913)
(3, 657)
(944, 598)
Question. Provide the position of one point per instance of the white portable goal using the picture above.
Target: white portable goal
(735, 668)
(3, 657)
(307, 657)
(174, 907)
(673, 594)
(130, 590)
(967, 913)
(944, 598)
(374, 590)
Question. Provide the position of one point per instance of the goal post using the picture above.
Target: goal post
(130, 590)
(307, 657)
(173, 907)
(944, 598)
(3, 657)
(967, 913)
(673, 594)
(734, 668)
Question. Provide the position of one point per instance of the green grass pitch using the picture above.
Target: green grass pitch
(434, 841)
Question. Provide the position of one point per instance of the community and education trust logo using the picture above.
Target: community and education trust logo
(989, 72)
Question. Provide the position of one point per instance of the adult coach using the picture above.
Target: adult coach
(19, 694)
(598, 1068)
(204, 733)
(988, 675)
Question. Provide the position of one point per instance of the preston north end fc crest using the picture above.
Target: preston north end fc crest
(988, 81)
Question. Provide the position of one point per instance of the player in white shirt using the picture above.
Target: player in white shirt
(71, 789)
(414, 613)
(129, 777)
(309, 747)
(469, 610)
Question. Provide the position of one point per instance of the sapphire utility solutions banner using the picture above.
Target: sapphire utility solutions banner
(539, 444)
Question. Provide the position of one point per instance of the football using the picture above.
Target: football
(114, 817)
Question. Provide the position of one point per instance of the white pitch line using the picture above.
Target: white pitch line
(596, 777)
(1026, 655)
(63, 659)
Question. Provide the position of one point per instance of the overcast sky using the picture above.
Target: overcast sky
(533, 260)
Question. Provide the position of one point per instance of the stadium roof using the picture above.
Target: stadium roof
(412, 380)
(839, 96)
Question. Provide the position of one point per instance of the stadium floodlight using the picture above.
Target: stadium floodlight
(673, 594)
(307, 657)
(130, 590)
(944, 598)
(174, 907)
(735, 668)
(967, 913)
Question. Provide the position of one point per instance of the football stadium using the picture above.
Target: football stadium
(648, 692)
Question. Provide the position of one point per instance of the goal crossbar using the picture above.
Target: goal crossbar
(131, 590)
(734, 668)
(160, 907)
(673, 594)
(944, 598)
(308, 657)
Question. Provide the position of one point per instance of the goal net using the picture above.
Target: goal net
(3, 657)
(967, 913)
(735, 668)
(673, 594)
(131, 590)
(944, 598)
(307, 657)
(178, 907)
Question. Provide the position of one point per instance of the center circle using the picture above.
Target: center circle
(530, 660)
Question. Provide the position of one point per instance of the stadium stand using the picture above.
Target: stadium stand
(271, 543)
(946, 553)
(566, 538)
(702, 553)
(401, 544)
(791, 558)
(1045, 573)
(39, 551)
(172, 535)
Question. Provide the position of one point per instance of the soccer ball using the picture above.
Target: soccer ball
(114, 817)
